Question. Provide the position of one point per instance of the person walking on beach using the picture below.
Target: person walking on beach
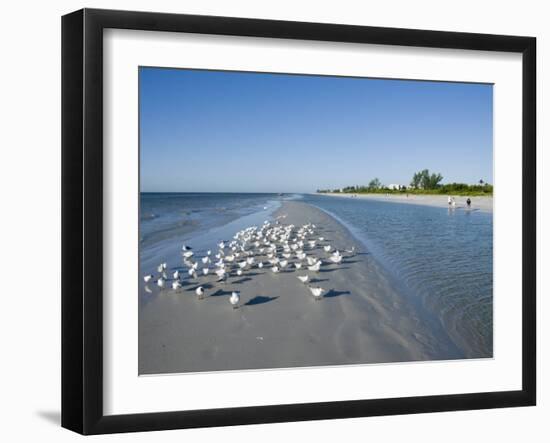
(469, 202)
(449, 200)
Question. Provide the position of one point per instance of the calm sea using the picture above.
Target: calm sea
(178, 215)
(443, 259)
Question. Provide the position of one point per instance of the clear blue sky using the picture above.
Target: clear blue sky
(211, 131)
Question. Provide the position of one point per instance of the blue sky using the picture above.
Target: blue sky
(212, 131)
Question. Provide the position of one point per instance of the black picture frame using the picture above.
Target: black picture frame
(82, 218)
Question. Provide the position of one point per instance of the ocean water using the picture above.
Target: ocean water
(443, 259)
(179, 215)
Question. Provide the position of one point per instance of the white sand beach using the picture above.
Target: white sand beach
(364, 317)
(478, 203)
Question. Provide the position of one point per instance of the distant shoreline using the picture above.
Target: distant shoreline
(483, 203)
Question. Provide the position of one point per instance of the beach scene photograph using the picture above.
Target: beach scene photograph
(295, 221)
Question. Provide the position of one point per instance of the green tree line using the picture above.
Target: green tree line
(422, 182)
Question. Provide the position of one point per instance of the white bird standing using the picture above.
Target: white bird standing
(311, 261)
(327, 248)
(317, 292)
(298, 265)
(160, 282)
(275, 269)
(336, 258)
(199, 291)
(147, 278)
(234, 299)
(303, 278)
(220, 273)
(205, 271)
(260, 265)
(176, 275)
(315, 267)
(176, 285)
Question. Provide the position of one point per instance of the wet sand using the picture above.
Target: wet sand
(440, 201)
(364, 316)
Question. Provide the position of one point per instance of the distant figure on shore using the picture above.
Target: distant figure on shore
(453, 202)
(449, 200)
(469, 202)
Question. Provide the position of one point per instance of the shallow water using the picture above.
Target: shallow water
(443, 257)
(177, 215)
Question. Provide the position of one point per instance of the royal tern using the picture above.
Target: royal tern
(199, 291)
(234, 299)
(317, 292)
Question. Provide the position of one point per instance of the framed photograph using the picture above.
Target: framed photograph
(268, 221)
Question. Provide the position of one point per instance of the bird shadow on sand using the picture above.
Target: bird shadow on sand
(241, 280)
(318, 280)
(220, 293)
(204, 286)
(335, 293)
(333, 269)
(259, 300)
(349, 262)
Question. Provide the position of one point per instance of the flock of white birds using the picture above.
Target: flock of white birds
(280, 247)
